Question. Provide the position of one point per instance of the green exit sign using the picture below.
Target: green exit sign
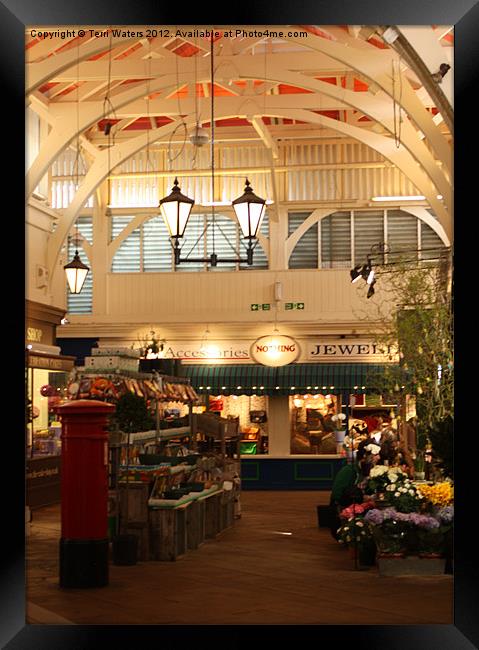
(294, 305)
(260, 306)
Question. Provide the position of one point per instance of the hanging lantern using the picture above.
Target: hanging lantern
(76, 273)
(249, 210)
(175, 210)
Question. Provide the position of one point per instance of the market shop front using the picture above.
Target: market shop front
(282, 410)
(46, 379)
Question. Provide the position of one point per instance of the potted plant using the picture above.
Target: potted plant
(355, 533)
(382, 477)
(388, 531)
(339, 432)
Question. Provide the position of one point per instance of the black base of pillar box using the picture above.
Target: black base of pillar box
(84, 562)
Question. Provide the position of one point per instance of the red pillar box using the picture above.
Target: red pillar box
(84, 493)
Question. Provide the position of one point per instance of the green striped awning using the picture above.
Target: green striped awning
(248, 379)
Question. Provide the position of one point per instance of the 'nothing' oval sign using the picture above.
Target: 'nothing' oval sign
(275, 350)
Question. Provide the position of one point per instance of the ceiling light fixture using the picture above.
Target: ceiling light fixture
(76, 273)
(417, 197)
(249, 208)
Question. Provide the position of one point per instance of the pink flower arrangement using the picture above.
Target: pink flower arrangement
(356, 509)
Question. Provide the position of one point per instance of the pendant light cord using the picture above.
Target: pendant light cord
(212, 140)
(77, 156)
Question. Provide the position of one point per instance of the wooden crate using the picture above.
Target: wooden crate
(168, 532)
(137, 495)
(195, 524)
(227, 509)
(212, 514)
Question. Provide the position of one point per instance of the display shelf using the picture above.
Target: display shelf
(165, 467)
(172, 503)
(165, 434)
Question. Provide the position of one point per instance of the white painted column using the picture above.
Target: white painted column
(279, 426)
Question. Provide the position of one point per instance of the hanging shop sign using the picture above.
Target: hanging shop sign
(275, 350)
(344, 350)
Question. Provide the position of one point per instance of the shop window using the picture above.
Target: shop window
(45, 390)
(312, 424)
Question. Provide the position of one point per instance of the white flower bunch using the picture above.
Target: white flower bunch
(338, 417)
(378, 470)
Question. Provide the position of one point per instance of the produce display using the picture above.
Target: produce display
(110, 388)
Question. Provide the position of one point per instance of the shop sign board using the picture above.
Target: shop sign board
(197, 351)
(311, 350)
(344, 350)
(275, 350)
(49, 362)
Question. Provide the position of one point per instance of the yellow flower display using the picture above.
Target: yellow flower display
(439, 494)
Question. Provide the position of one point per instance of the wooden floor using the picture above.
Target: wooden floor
(251, 574)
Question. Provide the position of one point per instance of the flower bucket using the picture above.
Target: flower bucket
(340, 435)
(350, 455)
(367, 554)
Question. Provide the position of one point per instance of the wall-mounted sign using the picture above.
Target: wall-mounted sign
(265, 306)
(275, 350)
(50, 363)
(344, 350)
(293, 305)
(307, 350)
(211, 350)
(34, 334)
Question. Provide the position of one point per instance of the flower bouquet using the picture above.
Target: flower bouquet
(356, 509)
(439, 495)
(381, 476)
(404, 496)
(356, 534)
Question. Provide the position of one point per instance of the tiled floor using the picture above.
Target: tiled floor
(253, 573)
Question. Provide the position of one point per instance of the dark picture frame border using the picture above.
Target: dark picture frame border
(15, 16)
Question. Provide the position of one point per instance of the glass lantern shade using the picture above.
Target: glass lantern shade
(175, 210)
(76, 273)
(249, 210)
